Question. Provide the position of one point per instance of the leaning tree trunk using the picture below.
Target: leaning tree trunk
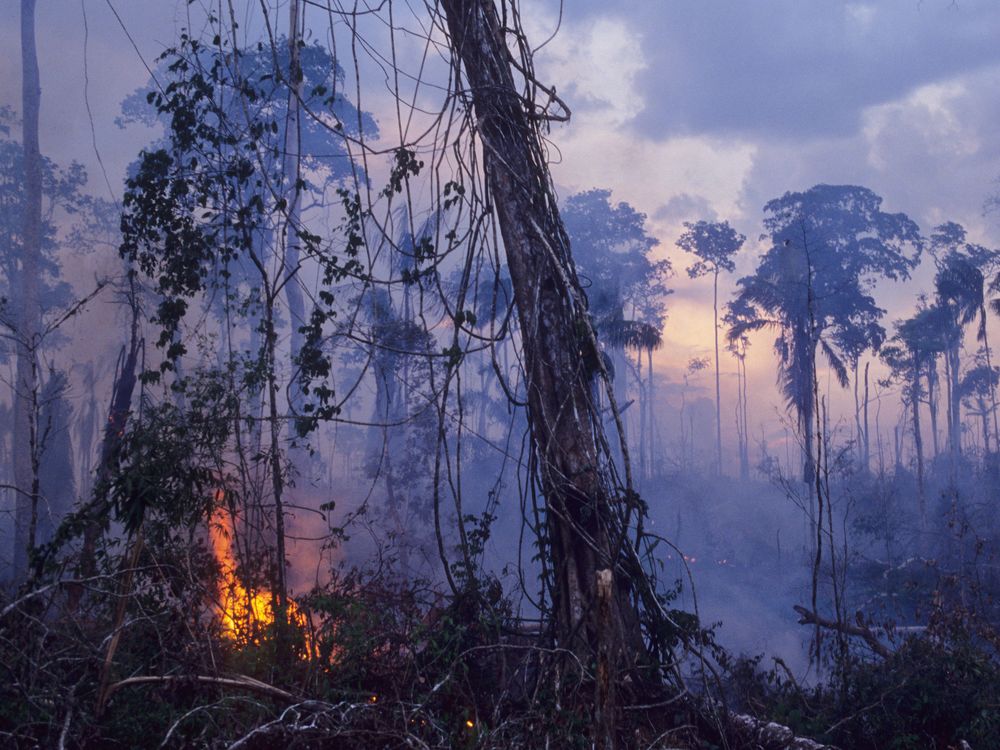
(126, 378)
(559, 353)
(25, 441)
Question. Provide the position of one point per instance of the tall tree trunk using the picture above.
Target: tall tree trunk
(918, 443)
(956, 398)
(932, 402)
(742, 415)
(857, 408)
(718, 386)
(643, 406)
(560, 353)
(29, 324)
(620, 358)
(278, 483)
(989, 369)
(651, 420)
(984, 409)
(867, 449)
(292, 169)
(807, 412)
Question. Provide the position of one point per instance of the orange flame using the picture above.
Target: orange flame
(244, 613)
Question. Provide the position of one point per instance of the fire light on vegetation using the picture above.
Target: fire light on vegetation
(244, 613)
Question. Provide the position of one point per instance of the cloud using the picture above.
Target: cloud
(786, 69)
(683, 207)
(934, 154)
(595, 66)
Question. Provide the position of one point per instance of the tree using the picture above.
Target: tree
(976, 389)
(738, 315)
(29, 324)
(35, 195)
(626, 291)
(257, 97)
(715, 244)
(959, 286)
(829, 246)
(211, 208)
(596, 571)
(914, 346)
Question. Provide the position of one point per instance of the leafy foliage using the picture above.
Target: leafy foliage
(829, 246)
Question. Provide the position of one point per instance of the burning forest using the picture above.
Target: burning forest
(487, 374)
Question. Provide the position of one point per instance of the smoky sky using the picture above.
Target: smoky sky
(790, 69)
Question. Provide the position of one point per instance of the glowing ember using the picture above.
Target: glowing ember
(244, 613)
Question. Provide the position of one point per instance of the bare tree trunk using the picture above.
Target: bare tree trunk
(560, 351)
(918, 443)
(932, 403)
(25, 445)
(955, 405)
(292, 169)
(989, 369)
(867, 449)
(114, 430)
(718, 386)
(280, 589)
(651, 420)
(858, 432)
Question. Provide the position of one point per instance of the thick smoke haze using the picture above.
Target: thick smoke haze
(288, 370)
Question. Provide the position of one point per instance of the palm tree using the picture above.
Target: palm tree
(829, 245)
(626, 289)
(917, 342)
(620, 335)
(959, 286)
(976, 389)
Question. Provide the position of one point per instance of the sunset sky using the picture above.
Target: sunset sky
(687, 110)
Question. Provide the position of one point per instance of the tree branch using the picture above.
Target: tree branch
(237, 681)
(807, 617)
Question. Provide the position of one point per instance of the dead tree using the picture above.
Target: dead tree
(586, 515)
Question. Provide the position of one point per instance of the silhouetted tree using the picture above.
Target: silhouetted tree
(976, 390)
(738, 315)
(829, 246)
(626, 289)
(36, 196)
(959, 285)
(910, 351)
(715, 244)
(256, 96)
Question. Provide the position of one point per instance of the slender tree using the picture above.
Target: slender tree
(977, 385)
(738, 342)
(29, 314)
(715, 244)
(906, 355)
(960, 289)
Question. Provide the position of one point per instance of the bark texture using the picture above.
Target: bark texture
(584, 516)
